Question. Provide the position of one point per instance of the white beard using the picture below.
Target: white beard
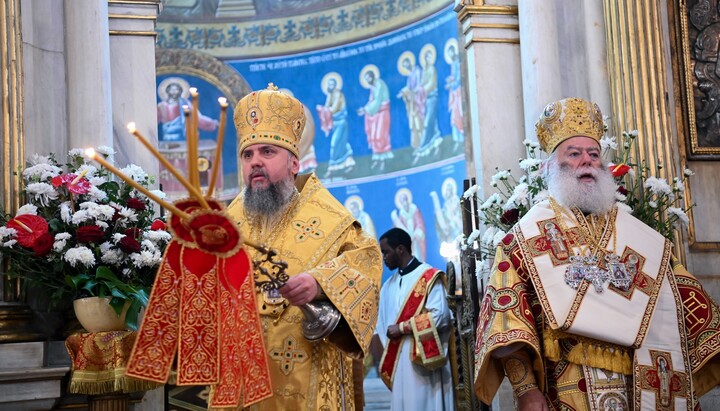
(595, 197)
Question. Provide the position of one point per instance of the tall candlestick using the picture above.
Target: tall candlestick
(218, 149)
(93, 155)
(189, 187)
(189, 141)
(195, 133)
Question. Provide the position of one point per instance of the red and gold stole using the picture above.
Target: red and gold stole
(427, 348)
(203, 308)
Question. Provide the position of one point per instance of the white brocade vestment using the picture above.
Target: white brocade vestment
(415, 387)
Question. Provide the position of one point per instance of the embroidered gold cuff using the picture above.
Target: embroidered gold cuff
(519, 391)
(519, 371)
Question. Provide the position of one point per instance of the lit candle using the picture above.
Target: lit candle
(79, 176)
(93, 155)
(218, 149)
(189, 187)
(189, 141)
(193, 171)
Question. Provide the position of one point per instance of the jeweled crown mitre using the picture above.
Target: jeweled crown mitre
(272, 117)
(567, 118)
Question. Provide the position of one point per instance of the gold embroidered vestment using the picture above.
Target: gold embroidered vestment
(319, 236)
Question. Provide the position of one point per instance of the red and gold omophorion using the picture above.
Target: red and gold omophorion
(652, 346)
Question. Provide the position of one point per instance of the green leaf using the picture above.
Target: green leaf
(131, 318)
(105, 273)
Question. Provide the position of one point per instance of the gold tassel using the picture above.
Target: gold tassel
(627, 364)
(608, 358)
(578, 354)
(552, 346)
(617, 361)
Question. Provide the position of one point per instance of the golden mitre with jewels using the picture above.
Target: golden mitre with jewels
(567, 118)
(272, 117)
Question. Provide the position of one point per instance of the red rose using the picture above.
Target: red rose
(622, 190)
(90, 234)
(158, 225)
(136, 204)
(43, 245)
(133, 232)
(619, 170)
(510, 217)
(129, 245)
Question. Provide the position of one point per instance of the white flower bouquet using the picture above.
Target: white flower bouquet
(82, 234)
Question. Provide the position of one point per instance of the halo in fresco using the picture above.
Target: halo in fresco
(452, 42)
(369, 67)
(170, 80)
(331, 75)
(407, 54)
(355, 199)
(449, 183)
(428, 48)
(399, 194)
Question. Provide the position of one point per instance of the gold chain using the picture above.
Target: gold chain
(598, 229)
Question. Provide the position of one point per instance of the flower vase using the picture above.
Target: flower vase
(96, 315)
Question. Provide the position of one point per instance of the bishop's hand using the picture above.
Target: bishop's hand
(300, 289)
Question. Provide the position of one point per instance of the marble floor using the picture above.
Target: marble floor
(377, 396)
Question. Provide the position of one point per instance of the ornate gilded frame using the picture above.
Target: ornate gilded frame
(684, 88)
(696, 75)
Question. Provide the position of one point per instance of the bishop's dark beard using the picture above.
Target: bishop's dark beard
(271, 199)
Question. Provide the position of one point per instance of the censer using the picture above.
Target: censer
(320, 317)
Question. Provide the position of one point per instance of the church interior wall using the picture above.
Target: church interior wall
(302, 67)
(380, 178)
(45, 86)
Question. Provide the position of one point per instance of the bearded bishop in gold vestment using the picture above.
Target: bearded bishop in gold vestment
(314, 234)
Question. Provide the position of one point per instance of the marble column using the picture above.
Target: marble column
(491, 39)
(563, 55)
(44, 77)
(132, 55)
(490, 36)
(89, 93)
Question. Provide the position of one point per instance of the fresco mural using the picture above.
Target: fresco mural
(407, 200)
(172, 95)
(386, 112)
(385, 124)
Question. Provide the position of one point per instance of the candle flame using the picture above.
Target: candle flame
(223, 102)
(90, 152)
(193, 91)
(131, 127)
